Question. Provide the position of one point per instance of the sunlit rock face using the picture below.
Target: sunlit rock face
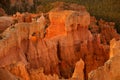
(76, 41)
(78, 72)
(67, 27)
(114, 48)
(67, 21)
(64, 49)
(111, 68)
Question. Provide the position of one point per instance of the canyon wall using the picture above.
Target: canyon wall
(65, 49)
(111, 68)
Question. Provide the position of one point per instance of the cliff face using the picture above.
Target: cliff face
(68, 35)
(78, 72)
(31, 52)
(111, 69)
(105, 29)
(5, 22)
(114, 48)
(6, 75)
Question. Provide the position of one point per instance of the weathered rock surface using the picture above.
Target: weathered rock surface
(68, 21)
(73, 45)
(6, 75)
(17, 46)
(5, 22)
(19, 69)
(114, 48)
(105, 29)
(70, 26)
(111, 68)
(26, 51)
(78, 72)
(24, 17)
(38, 74)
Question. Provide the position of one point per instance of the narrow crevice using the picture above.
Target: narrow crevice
(59, 58)
(58, 51)
(26, 56)
(84, 70)
(28, 41)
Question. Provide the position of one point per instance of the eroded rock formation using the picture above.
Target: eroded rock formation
(66, 49)
(78, 72)
(114, 48)
(111, 68)
(105, 29)
(5, 22)
(6, 75)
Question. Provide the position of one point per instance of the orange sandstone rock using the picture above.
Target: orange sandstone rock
(33, 39)
(67, 40)
(78, 72)
(110, 70)
(6, 75)
(5, 22)
(66, 21)
(114, 48)
(19, 69)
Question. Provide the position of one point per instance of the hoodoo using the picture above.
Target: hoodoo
(65, 43)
